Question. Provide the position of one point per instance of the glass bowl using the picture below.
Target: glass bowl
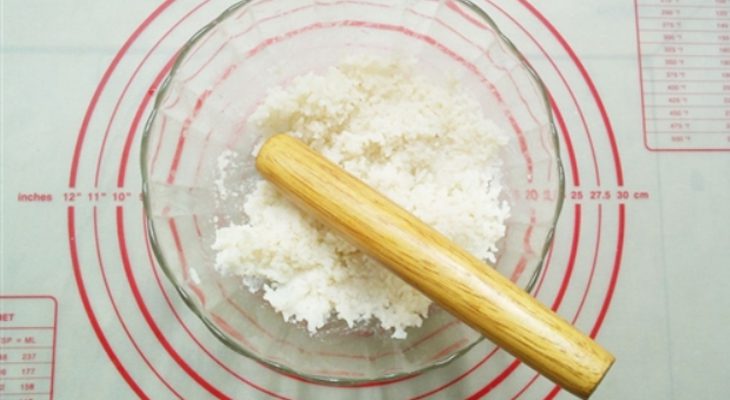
(200, 113)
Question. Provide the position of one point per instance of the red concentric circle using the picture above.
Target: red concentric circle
(177, 356)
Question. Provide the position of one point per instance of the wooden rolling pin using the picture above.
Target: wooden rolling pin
(462, 284)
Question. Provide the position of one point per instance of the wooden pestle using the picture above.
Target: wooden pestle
(462, 284)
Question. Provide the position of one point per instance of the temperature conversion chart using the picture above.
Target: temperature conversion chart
(27, 347)
(684, 62)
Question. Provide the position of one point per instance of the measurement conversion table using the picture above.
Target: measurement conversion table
(27, 347)
(684, 61)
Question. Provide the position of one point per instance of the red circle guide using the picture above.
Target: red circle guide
(162, 350)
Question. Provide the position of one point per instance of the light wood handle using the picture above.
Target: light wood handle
(462, 284)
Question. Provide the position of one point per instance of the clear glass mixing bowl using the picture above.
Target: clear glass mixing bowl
(219, 78)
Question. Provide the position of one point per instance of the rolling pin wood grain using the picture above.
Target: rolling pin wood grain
(462, 284)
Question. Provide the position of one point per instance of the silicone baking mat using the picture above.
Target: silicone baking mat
(641, 93)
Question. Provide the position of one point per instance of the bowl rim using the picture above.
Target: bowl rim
(223, 337)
